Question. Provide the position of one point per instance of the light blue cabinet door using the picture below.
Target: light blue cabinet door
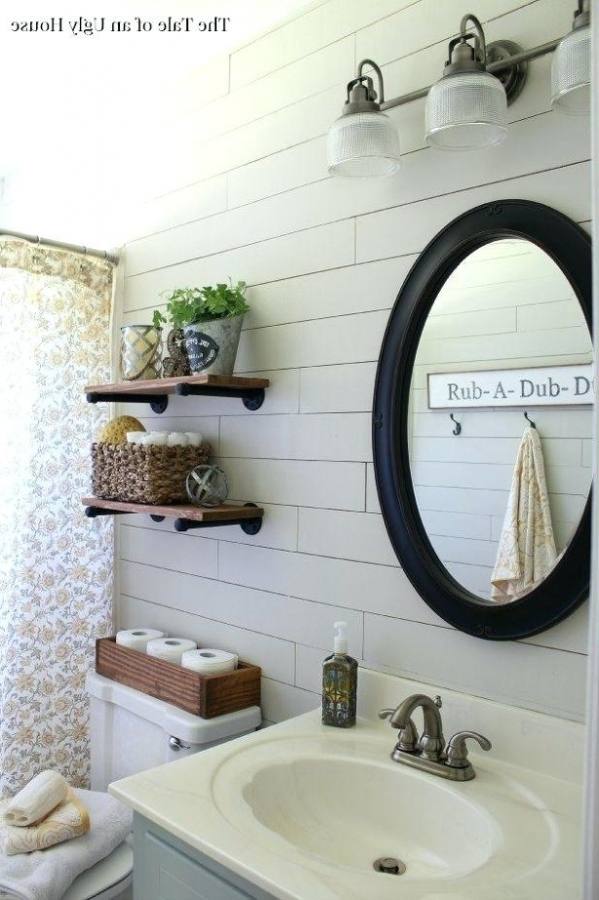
(166, 869)
(180, 878)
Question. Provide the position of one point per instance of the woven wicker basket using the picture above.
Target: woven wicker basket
(138, 474)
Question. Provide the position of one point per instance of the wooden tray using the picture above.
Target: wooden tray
(203, 695)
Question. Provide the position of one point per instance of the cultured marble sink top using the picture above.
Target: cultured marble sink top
(303, 811)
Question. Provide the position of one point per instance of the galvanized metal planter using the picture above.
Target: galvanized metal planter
(212, 346)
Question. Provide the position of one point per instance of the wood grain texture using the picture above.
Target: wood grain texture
(203, 695)
(169, 385)
(222, 513)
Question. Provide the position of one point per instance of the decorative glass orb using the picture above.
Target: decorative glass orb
(207, 486)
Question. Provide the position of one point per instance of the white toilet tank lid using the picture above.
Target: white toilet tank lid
(174, 721)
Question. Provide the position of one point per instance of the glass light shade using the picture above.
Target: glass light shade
(363, 144)
(466, 111)
(571, 73)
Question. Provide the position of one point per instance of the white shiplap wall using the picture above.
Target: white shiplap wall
(506, 301)
(242, 191)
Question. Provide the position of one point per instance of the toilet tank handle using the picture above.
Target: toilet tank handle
(176, 744)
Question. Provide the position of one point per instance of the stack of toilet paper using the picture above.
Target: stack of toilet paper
(165, 438)
(180, 651)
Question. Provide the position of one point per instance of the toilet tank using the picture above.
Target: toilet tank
(131, 731)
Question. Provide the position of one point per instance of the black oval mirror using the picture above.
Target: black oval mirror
(483, 420)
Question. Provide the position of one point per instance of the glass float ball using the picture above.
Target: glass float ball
(207, 486)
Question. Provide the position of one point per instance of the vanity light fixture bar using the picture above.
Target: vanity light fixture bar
(467, 108)
(503, 64)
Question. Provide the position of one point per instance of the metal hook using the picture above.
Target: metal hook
(528, 419)
(458, 428)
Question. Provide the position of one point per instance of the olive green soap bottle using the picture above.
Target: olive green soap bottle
(339, 683)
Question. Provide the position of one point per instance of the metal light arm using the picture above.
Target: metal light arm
(379, 74)
(492, 66)
(480, 34)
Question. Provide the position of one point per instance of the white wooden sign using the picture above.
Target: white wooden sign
(547, 386)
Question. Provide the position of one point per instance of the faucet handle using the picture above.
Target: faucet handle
(385, 713)
(457, 751)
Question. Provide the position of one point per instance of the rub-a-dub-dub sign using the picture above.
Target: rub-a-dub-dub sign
(547, 386)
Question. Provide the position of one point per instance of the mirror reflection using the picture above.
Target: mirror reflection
(500, 420)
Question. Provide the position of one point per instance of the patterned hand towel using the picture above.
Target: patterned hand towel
(526, 552)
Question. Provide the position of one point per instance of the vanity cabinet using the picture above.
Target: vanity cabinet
(166, 868)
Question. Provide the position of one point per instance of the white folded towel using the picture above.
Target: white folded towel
(37, 799)
(47, 874)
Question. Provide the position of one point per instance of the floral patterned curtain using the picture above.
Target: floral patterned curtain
(55, 566)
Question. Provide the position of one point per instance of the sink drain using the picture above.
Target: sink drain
(390, 865)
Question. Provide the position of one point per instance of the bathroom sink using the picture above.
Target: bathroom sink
(306, 812)
(352, 813)
(346, 804)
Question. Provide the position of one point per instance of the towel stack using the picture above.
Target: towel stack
(47, 813)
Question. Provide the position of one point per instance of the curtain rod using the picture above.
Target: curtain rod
(61, 245)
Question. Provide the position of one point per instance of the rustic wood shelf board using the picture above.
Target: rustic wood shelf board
(186, 516)
(157, 391)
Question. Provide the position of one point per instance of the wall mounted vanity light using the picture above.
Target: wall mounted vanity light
(571, 66)
(466, 109)
(364, 141)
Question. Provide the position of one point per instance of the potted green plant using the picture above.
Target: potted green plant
(211, 319)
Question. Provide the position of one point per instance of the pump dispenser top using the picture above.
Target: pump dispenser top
(340, 637)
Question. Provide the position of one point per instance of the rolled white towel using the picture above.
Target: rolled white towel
(37, 799)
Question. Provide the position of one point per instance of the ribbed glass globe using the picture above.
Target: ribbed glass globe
(466, 111)
(363, 144)
(571, 73)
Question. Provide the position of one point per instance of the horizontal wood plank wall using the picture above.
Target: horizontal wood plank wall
(243, 192)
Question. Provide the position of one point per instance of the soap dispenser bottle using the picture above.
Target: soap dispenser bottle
(339, 683)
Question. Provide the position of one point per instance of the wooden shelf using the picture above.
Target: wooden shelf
(186, 516)
(156, 392)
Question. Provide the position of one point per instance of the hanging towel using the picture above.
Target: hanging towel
(47, 874)
(526, 552)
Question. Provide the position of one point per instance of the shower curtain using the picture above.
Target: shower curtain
(55, 566)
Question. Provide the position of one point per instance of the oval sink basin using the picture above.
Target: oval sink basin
(351, 813)
(342, 803)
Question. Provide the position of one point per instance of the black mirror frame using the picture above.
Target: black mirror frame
(568, 584)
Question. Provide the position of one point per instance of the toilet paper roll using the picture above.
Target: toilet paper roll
(209, 662)
(170, 649)
(137, 638)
